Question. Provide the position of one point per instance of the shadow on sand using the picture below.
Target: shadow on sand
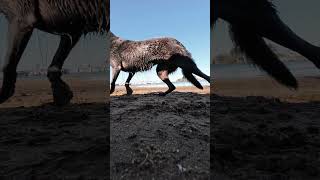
(160, 137)
(166, 137)
(260, 138)
(47, 142)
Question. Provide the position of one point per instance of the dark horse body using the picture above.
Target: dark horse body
(69, 19)
(251, 21)
(167, 53)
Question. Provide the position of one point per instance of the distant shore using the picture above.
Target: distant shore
(37, 92)
(309, 88)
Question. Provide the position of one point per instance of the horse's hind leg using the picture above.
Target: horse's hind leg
(18, 38)
(129, 90)
(61, 91)
(188, 68)
(272, 27)
(163, 72)
(195, 70)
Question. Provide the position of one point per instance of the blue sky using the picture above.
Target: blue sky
(186, 20)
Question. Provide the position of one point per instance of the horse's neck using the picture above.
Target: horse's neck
(115, 42)
(113, 37)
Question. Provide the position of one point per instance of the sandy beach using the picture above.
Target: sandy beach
(155, 137)
(151, 136)
(38, 92)
(309, 88)
(261, 130)
(41, 141)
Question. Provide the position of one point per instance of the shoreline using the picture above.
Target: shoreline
(31, 93)
(308, 91)
(121, 90)
(38, 92)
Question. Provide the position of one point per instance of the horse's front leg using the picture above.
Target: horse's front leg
(18, 37)
(61, 91)
(115, 74)
(127, 85)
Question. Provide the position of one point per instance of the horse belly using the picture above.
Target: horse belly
(136, 66)
(57, 19)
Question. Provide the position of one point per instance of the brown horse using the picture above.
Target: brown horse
(68, 19)
(251, 21)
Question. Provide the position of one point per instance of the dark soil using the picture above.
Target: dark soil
(259, 138)
(46, 142)
(155, 137)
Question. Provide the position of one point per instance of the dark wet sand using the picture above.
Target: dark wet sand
(152, 136)
(41, 141)
(271, 137)
(155, 137)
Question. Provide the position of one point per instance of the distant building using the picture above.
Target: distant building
(89, 68)
(84, 68)
(23, 73)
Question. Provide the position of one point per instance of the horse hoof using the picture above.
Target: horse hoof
(129, 92)
(62, 94)
(111, 91)
(162, 94)
(5, 94)
(63, 100)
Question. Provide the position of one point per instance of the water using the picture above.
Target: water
(235, 71)
(177, 84)
(219, 71)
(89, 76)
(153, 82)
(83, 76)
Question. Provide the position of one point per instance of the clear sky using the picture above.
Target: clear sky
(301, 16)
(186, 20)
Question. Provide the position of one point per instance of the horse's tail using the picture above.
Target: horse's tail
(256, 49)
